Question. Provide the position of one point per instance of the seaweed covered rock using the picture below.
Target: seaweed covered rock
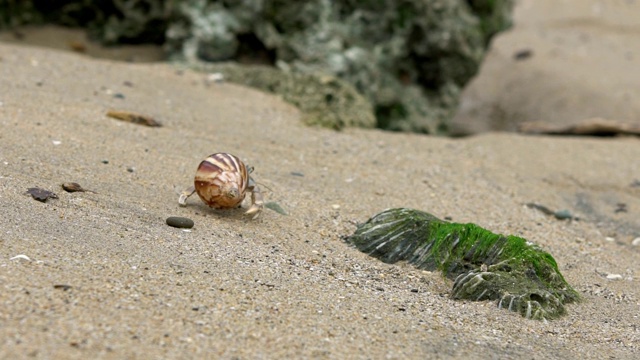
(519, 275)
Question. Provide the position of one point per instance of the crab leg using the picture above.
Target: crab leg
(185, 194)
(256, 198)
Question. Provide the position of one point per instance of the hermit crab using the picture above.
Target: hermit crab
(222, 181)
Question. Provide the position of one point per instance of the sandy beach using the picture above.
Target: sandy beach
(100, 275)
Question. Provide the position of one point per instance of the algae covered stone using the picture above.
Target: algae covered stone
(517, 274)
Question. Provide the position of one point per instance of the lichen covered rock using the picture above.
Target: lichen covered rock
(408, 58)
(519, 275)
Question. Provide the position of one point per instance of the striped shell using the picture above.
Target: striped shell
(221, 181)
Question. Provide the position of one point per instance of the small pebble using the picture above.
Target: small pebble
(523, 54)
(72, 187)
(636, 242)
(275, 207)
(41, 195)
(180, 222)
(134, 118)
(562, 214)
(215, 78)
(614, 276)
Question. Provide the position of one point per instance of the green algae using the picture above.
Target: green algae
(516, 273)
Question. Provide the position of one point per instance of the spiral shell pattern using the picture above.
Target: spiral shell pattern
(221, 181)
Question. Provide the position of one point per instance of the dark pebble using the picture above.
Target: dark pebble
(62, 287)
(41, 195)
(523, 54)
(180, 222)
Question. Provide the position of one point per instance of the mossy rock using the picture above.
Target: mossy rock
(517, 274)
(409, 59)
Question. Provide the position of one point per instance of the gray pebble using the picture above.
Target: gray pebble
(180, 222)
(275, 207)
(563, 214)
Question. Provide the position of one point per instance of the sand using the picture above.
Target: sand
(100, 275)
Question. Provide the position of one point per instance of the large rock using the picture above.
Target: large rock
(561, 63)
(408, 58)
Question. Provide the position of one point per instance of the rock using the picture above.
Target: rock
(560, 84)
(409, 59)
(41, 195)
(180, 222)
(595, 127)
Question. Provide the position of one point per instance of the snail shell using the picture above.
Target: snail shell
(221, 181)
